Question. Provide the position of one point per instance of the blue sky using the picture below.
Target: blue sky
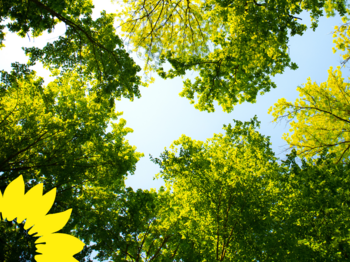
(161, 116)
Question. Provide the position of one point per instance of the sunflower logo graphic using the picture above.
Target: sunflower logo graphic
(33, 208)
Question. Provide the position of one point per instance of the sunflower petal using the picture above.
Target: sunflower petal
(0, 201)
(42, 207)
(59, 245)
(34, 207)
(12, 200)
(50, 223)
(32, 196)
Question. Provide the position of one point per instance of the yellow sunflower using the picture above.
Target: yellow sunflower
(33, 207)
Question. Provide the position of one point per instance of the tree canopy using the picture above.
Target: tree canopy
(311, 212)
(321, 114)
(90, 45)
(225, 199)
(228, 199)
(234, 45)
(222, 190)
(56, 135)
(320, 118)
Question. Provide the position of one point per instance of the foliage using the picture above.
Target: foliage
(23, 250)
(341, 38)
(221, 193)
(312, 211)
(92, 44)
(231, 201)
(56, 134)
(249, 40)
(215, 207)
(321, 114)
(137, 233)
(226, 199)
